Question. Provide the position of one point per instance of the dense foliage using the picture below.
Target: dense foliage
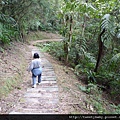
(18, 17)
(91, 31)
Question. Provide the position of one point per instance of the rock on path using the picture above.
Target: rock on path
(44, 98)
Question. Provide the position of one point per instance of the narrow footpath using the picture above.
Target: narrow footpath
(44, 98)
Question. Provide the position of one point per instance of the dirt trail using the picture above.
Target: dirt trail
(46, 40)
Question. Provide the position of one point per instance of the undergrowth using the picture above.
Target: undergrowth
(9, 85)
(54, 48)
(100, 105)
(12, 80)
(37, 35)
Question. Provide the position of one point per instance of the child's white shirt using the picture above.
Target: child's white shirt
(36, 63)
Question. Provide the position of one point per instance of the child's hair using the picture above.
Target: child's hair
(36, 55)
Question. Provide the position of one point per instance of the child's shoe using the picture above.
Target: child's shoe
(38, 83)
(34, 86)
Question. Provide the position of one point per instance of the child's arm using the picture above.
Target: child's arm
(30, 67)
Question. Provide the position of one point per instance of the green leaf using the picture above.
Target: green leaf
(115, 58)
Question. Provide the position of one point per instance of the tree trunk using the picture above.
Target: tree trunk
(67, 43)
(66, 51)
(70, 31)
(100, 50)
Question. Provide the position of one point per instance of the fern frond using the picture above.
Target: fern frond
(108, 24)
(115, 58)
(7, 19)
(118, 36)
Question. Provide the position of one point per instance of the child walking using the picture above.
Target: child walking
(36, 69)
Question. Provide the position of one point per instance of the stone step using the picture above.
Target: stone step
(41, 95)
(46, 65)
(39, 106)
(45, 89)
(48, 74)
(44, 60)
(45, 85)
(48, 82)
(36, 111)
(48, 79)
(48, 69)
(38, 100)
(28, 113)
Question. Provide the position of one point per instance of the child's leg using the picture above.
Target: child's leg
(39, 78)
(34, 79)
